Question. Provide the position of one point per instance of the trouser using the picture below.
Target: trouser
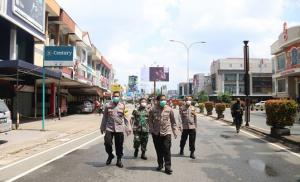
(119, 140)
(191, 133)
(140, 139)
(162, 146)
(238, 121)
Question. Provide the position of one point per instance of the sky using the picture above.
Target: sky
(136, 33)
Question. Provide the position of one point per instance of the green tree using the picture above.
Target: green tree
(225, 97)
(202, 96)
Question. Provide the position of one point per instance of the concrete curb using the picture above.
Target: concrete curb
(283, 140)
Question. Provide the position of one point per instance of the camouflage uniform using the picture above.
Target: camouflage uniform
(140, 128)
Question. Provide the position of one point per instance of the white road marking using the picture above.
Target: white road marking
(272, 144)
(51, 160)
(22, 160)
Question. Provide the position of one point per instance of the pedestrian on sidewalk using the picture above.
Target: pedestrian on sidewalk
(237, 114)
(114, 125)
(188, 126)
(140, 126)
(162, 123)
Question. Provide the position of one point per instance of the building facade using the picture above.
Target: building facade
(286, 63)
(24, 37)
(198, 83)
(227, 75)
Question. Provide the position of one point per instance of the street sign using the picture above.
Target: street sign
(59, 56)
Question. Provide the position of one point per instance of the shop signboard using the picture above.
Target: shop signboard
(31, 11)
(59, 56)
(116, 88)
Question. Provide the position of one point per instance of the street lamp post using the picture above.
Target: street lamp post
(188, 58)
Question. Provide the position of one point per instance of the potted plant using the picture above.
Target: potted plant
(201, 107)
(209, 106)
(280, 113)
(220, 108)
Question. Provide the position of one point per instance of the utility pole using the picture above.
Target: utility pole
(247, 80)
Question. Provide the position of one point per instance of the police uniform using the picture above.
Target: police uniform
(162, 123)
(188, 120)
(113, 123)
(140, 129)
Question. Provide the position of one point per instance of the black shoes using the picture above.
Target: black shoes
(192, 156)
(168, 171)
(136, 152)
(159, 167)
(181, 151)
(109, 159)
(119, 163)
(143, 156)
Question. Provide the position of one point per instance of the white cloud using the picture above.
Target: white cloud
(134, 33)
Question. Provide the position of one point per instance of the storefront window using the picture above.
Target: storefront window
(281, 62)
(281, 85)
(262, 85)
(230, 88)
(294, 56)
(230, 77)
(273, 86)
(242, 89)
(241, 77)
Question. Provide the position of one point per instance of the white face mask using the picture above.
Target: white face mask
(188, 102)
(143, 104)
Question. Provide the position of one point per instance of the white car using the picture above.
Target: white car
(260, 106)
(5, 118)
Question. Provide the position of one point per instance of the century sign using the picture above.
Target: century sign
(59, 55)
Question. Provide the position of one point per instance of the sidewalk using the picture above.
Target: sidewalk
(29, 139)
(258, 123)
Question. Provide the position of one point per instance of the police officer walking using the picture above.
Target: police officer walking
(188, 120)
(113, 125)
(140, 128)
(162, 123)
(237, 114)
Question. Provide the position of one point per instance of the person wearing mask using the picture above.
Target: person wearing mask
(162, 123)
(237, 114)
(188, 120)
(139, 122)
(114, 125)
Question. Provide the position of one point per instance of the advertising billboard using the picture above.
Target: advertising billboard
(59, 56)
(31, 11)
(159, 74)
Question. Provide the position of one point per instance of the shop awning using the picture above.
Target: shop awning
(11, 69)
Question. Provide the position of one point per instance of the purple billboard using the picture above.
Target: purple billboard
(159, 74)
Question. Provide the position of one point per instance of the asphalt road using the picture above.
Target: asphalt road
(222, 155)
(258, 119)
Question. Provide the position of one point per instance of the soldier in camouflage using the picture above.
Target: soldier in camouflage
(139, 121)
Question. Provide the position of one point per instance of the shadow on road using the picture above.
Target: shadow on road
(141, 168)
(96, 164)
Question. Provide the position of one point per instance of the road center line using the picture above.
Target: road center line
(51, 160)
(22, 160)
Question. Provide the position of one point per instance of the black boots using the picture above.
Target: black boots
(109, 159)
(181, 151)
(119, 163)
(143, 156)
(160, 166)
(192, 156)
(136, 152)
(168, 171)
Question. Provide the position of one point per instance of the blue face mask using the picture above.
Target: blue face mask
(116, 99)
(163, 103)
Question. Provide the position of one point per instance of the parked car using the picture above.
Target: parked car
(260, 105)
(5, 117)
(80, 107)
